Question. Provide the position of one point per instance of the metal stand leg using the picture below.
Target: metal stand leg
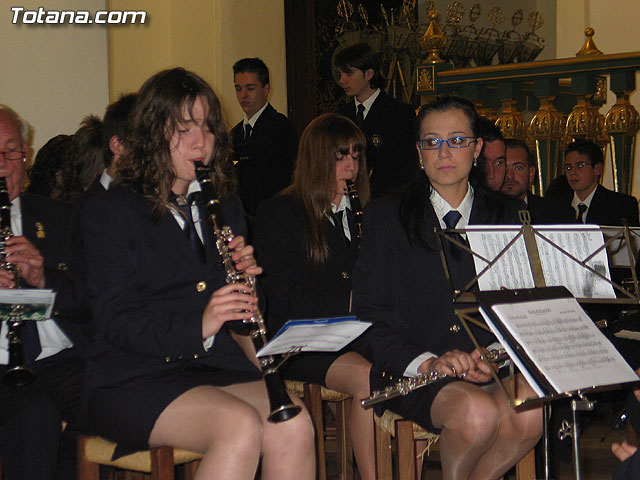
(546, 415)
(575, 437)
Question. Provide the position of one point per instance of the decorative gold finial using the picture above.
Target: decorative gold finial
(433, 40)
(589, 47)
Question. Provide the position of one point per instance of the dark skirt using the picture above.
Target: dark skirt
(310, 367)
(126, 414)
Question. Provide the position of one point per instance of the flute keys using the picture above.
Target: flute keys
(201, 286)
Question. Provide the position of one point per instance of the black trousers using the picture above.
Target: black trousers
(31, 419)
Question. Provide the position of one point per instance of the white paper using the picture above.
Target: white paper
(512, 270)
(565, 344)
(627, 334)
(315, 335)
(38, 303)
(619, 255)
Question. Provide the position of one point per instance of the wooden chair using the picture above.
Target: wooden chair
(411, 438)
(156, 464)
(313, 396)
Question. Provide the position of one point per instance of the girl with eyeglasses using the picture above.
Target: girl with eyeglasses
(307, 242)
(400, 285)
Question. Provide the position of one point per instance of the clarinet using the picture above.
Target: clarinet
(281, 407)
(18, 373)
(356, 207)
(407, 385)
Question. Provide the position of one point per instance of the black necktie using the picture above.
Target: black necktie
(581, 209)
(247, 131)
(337, 220)
(451, 220)
(360, 115)
(190, 227)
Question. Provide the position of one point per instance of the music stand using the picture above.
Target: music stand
(531, 236)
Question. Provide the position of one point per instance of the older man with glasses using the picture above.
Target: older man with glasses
(44, 250)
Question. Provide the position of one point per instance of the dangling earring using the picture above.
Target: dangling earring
(475, 162)
(421, 164)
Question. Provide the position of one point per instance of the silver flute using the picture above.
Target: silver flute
(408, 384)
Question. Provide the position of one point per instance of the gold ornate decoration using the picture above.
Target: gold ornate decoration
(546, 130)
(622, 123)
(510, 121)
(433, 40)
(589, 47)
(622, 117)
(425, 78)
(601, 91)
(584, 120)
(496, 16)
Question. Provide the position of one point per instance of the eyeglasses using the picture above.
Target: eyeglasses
(578, 166)
(343, 152)
(12, 154)
(453, 142)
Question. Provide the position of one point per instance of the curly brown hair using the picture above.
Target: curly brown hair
(162, 103)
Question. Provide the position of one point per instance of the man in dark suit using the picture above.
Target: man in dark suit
(493, 156)
(388, 124)
(521, 171)
(593, 203)
(264, 143)
(45, 248)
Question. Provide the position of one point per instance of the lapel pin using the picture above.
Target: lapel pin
(39, 230)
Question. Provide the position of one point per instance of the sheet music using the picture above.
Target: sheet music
(513, 271)
(37, 303)
(315, 335)
(565, 345)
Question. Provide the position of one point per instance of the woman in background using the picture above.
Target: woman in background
(165, 369)
(307, 241)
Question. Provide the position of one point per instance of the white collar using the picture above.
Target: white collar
(442, 207)
(368, 102)
(105, 179)
(252, 121)
(587, 201)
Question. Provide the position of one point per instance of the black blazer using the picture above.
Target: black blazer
(391, 142)
(94, 189)
(52, 227)
(545, 212)
(293, 287)
(402, 289)
(265, 162)
(608, 207)
(148, 290)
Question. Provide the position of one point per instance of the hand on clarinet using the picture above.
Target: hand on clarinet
(22, 253)
(233, 301)
(243, 256)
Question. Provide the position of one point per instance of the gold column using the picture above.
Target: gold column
(622, 124)
(510, 121)
(547, 128)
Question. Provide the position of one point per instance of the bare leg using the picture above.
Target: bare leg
(482, 436)
(228, 425)
(469, 418)
(226, 430)
(350, 374)
(518, 433)
(288, 449)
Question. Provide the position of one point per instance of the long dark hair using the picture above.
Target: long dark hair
(159, 109)
(415, 206)
(314, 178)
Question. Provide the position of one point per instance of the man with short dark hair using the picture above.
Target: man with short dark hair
(593, 203)
(45, 248)
(264, 143)
(520, 173)
(492, 156)
(388, 124)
